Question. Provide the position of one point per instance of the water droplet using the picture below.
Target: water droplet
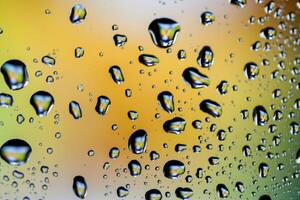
(223, 87)
(79, 52)
(263, 170)
(120, 40)
(15, 74)
(207, 18)
(78, 14)
(148, 60)
(211, 107)
(116, 74)
(166, 101)
(164, 32)
(153, 194)
(298, 157)
(181, 55)
(42, 102)
(205, 57)
(240, 3)
(260, 116)
(175, 125)
(268, 33)
(79, 187)
(184, 193)
(239, 186)
(265, 197)
(251, 70)
(132, 115)
(137, 142)
(173, 169)
(103, 104)
(122, 192)
(194, 78)
(15, 152)
(222, 191)
(114, 153)
(135, 168)
(48, 60)
(75, 110)
(6, 100)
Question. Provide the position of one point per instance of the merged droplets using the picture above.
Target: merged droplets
(78, 14)
(15, 152)
(153, 194)
(120, 40)
(175, 125)
(173, 169)
(207, 18)
(15, 74)
(268, 33)
(6, 100)
(166, 101)
(135, 168)
(148, 60)
(194, 78)
(102, 105)
(164, 32)
(42, 102)
(251, 70)
(211, 107)
(79, 187)
(260, 116)
(137, 142)
(116, 74)
(222, 191)
(75, 110)
(205, 57)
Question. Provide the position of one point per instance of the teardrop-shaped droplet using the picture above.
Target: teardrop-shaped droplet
(122, 192)
(194, 78)
(15, 74)
(166, 101)
(120, 40)
(79, 52)
(78, 14)
(15, 152)
(265, 197)
(223, 87)
(135, 168)
(205, 57)
(48, 60)
(42, 102)
(207, 18)
(137, 142)
(173, 169)
(79, 187)
(251, 70)
(263, 170)
(153, 194)
(222, 191)
(148, 60)
(116, 74)
(175, 125)
(184, 193)
(75, 110)
(260, 116)
(211, 107)
(6, 100)
(240, 3)
(268, 33)
(164, 32)
(103, 104)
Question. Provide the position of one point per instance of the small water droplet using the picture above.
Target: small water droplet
(75, 110)
(116, 74)
(103, 104)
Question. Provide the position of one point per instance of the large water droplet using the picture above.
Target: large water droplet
(175, 125)
(15, 152)
(184, 193)
(153, 194)
(194, 78)
(211, 107)
(15, 74)
(164, 32)
(135, 168)
(75, 110)
(6, 100)
(260, 116)
(79, 187)
(103, 104)
(268, 33)
(265, 197)
(205, 57)
(166, 101)
(42, 102)
(137, 142)
(173, 169)
(263, 170)
(78, 14)
(222, 191)
(116, 74)
(148, 60)
(251, 70)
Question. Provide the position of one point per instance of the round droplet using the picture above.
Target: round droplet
(15, 74)
(153, 194)
(260, 116)
(166, 101)
(148, 60)
(251, 70)
(194, 78)
(15, 152)
(173, 169)
(207, 18)
(164, 32)
(211, 107)
(75, 110)
(137, 142)
(78, 14)
(42, 102)
(116, 74)
(122, 192)
(181, 55)
(135, 168)
(79, 187)
(102, 105)
(175, 125)
(205, 57)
